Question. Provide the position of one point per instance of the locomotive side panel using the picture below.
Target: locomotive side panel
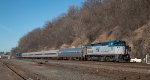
(100, 50)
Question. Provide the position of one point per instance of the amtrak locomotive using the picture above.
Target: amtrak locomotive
(116, 50)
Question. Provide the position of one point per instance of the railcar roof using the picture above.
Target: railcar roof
(71, 49)
(37, 52)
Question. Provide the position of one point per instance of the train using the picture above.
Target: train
(115, 50)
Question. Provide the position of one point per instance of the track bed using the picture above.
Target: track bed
(82, 70)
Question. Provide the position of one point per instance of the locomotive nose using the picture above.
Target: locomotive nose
(120, 50)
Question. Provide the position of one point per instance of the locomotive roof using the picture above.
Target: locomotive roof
(103, 43)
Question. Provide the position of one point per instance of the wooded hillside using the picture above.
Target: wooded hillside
(95, 21)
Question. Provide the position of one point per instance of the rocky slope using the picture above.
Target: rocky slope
(96, 21)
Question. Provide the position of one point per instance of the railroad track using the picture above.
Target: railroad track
(12, 70)
(21, 72)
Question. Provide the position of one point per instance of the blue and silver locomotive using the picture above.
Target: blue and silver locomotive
(115, 50)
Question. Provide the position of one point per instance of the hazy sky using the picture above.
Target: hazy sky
(18, 17)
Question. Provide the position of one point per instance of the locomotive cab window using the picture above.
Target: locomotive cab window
(119, 43)
(111, 44)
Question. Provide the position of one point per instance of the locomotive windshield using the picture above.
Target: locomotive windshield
(120, 43)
